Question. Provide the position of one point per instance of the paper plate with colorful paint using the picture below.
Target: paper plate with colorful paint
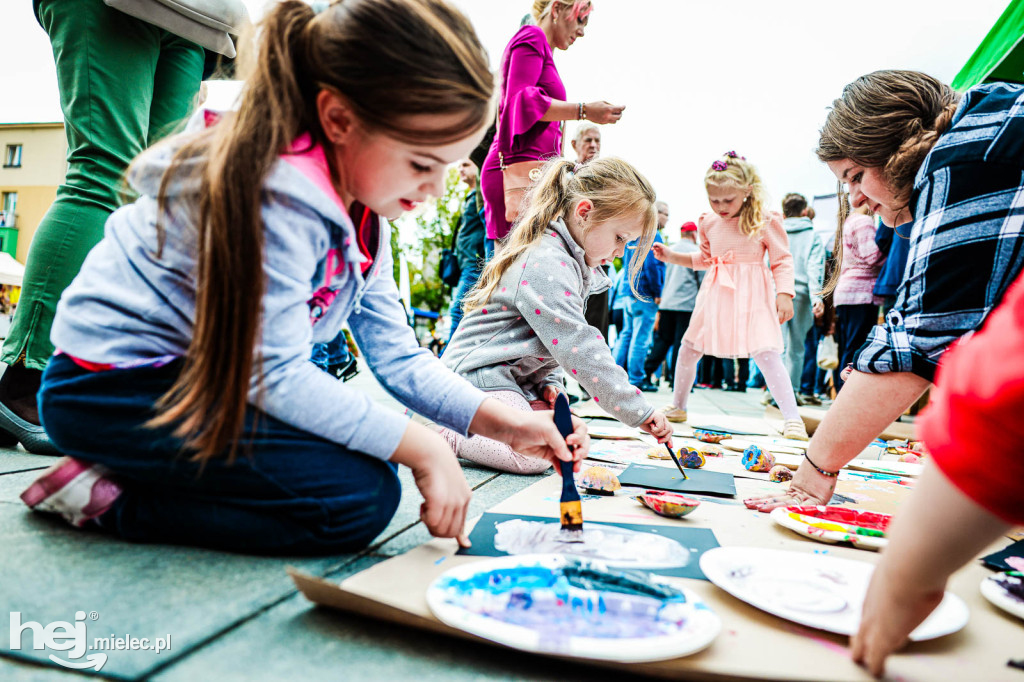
(817, 590)
(862, 529)
(1005, 590)
(573, 607)
(671, 505)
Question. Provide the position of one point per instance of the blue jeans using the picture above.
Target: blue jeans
(635, 340)
(334, 352)
(288, 491)
(467, 280)
(812, 381)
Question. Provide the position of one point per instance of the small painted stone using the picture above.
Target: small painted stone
(910, 458)
(658, 453)
(671, 505)
(757, 459)
(780, 474)
(691, 458)
(600, 479)
(710, 436)
(711, 450)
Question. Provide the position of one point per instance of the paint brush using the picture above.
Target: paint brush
(676, 460)
(570, 506)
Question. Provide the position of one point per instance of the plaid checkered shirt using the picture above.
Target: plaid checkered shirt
(966, 242)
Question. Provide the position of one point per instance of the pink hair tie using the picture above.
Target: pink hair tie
(734, 155)
(719, 166)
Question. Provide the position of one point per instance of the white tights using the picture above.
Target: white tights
(769, 362)
(492, 453)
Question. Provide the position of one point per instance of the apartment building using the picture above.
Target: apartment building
(34, 159)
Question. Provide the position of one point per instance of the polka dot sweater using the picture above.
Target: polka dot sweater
(532, 330)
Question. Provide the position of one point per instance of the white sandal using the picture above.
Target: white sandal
(795, 430)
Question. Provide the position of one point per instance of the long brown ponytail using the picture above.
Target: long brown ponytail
(391, 59)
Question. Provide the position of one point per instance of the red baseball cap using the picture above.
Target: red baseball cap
(688, 226)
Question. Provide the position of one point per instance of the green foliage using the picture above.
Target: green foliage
(434, 228)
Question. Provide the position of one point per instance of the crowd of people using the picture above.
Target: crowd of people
(255, 238)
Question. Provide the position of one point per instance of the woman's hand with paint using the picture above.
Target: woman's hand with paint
(658, 427)
(784, 307)
(440, 480)
(807, 487)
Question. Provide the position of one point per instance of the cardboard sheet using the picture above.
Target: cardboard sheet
(997, 560)
(753, 645)
(663, 478)
(695, 540)
(812, 416)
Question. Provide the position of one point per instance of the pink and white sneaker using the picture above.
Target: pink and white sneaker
(76, 490)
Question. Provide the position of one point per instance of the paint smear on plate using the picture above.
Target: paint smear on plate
(572, 600)
(615, 546)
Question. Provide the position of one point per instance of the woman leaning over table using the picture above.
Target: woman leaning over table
(914, 151)
(532, 105)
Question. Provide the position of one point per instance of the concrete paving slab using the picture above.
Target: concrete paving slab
(50, 570)
(30, 671)
(16, 459)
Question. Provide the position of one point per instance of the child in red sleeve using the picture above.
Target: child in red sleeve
(972, 494)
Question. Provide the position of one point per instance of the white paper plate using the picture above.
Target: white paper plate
(997, 594)
(660, 628)
(815, 590)
(785, 518)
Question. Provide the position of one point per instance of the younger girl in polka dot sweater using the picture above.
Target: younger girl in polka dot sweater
(524, 325)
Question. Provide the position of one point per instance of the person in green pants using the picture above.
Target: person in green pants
(123, 85)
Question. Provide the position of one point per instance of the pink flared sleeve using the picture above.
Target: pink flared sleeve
(700, 260)
(777, 243)
(525, 102)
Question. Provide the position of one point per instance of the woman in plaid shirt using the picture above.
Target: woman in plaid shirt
(914, 151)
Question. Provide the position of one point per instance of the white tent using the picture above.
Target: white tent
(11, 271)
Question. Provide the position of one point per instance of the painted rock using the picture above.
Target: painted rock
(710, 436)
(711, 450)
(600, 479)
(658, 453)
(910, 458)
(691, 458)
(671, 505)
(757, 459)
(780, 474)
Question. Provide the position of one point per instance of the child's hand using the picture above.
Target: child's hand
(437, 473)
(551, 394)
(818, 309)
(784, 306)
(667, 255)
(893, 607)
(536, 435)
(845, 374)
(659, 427)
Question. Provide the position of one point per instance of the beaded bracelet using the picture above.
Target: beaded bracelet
(830, 474)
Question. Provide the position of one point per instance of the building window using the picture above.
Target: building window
(12, 159)
(10, 205)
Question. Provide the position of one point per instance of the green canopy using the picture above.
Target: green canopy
(1000, 57)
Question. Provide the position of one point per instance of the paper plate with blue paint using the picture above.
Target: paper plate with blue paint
(566, 606)
(817, 590)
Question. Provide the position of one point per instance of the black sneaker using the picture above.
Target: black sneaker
(346, 370)
(648, 387)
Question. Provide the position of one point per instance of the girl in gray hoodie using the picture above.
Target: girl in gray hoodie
(524, 324)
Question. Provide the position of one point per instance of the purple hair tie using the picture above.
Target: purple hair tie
(734, 155)
(719, 166)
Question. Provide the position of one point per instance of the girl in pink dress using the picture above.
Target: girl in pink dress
(739, 309)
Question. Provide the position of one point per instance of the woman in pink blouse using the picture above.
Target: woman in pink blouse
(856, 306)
(532, 105)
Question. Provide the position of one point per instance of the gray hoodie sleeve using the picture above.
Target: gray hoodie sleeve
(550, 299)
(300, 394)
